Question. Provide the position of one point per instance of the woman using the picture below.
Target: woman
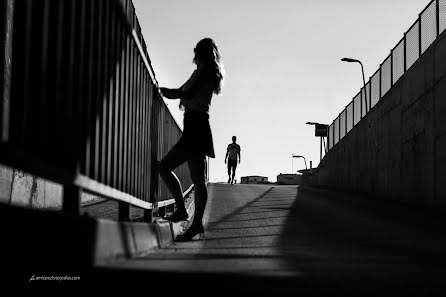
(196, 142)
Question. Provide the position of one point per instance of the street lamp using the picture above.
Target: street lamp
(298, 156)
(363, 77)
(321, 130)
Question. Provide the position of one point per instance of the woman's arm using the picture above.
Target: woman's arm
(170, 93)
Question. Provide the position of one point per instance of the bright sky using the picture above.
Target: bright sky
(283, 67)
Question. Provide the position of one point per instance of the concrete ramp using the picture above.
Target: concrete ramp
(270, 239)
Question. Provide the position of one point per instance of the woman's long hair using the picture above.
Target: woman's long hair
(206, 51)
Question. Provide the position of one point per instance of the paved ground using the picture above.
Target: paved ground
(273, 238)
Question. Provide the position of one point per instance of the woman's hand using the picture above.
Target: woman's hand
(169, 93)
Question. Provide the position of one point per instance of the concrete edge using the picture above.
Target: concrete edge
(128, 239)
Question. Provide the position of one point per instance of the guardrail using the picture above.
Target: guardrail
(430, 24)
(81, 104)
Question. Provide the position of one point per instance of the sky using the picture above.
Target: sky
(283, 67)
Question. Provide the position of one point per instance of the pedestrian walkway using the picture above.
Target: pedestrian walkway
(268, 237)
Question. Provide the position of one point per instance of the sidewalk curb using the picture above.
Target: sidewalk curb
(128, 239)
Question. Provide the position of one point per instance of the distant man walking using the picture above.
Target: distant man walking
(232, 153)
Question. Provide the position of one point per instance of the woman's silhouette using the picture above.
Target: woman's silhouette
(196, 142)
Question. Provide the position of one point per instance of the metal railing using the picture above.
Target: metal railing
(83, 108)
(430, 24)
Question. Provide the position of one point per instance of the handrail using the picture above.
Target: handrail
(84, 107)
(431, 22)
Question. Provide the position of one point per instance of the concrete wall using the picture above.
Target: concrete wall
(22, 189)
(398, 150)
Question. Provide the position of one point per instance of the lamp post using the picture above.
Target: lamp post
(321, 130)
(363, 77)
(298, 156)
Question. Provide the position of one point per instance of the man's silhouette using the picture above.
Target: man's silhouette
(232, 153)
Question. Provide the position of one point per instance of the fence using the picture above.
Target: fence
(429, 25)
(82, 106)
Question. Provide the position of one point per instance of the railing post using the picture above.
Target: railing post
(391, 69)
(370, 92)
(148, 215)
(6, 29)
(71, 200)
(419, 36)
(360, 106)
(437, 15)
(162, 211)
(405, 54)
(123, 211)
(380, 81)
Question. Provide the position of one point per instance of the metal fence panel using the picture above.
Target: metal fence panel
(428, 26)
(412, 45)
(442, 15)
(375, 88)
(398, 61)
(336, 131)
(330, 136)
(83, 93)
(342, 124)
(349, 117)
(386, 79)
(357, 109)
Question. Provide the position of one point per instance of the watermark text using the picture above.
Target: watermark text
(54, 278)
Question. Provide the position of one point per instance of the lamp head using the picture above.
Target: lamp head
(349, 60)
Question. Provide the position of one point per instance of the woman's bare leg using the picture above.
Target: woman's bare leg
(197, 170)
(172, 160)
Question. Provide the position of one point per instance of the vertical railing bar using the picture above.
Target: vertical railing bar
(141, 132)
(92, 89)
(69, 132)
(132, 120)
(150, 138)
(26, 72)
(437, 17)
(43, 106)
(138, 125)
(99, 95)
(80, 99)
(144, 135)
(89, 86)
(120, 121)
(112, 98)
(106, 98)
(117, 109)
(56, 124)
(135, 122)
(5, 82)
(126, 115)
